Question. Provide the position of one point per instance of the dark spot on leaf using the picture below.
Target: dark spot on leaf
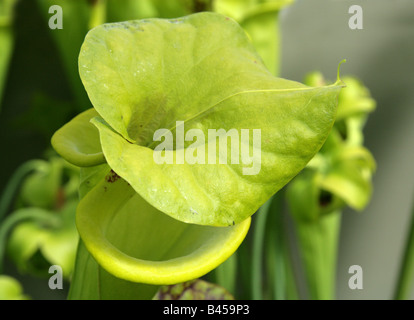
(112, 176)
(233, 222)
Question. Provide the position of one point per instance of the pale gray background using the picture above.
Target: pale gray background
(316, 36)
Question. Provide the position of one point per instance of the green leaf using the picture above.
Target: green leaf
(193, 290)
(78, 141)
(146, 75)
(10, 289)
(133, 241)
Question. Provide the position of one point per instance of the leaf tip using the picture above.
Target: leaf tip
(338, 77)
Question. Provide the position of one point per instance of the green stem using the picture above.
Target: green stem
(275, 267)
(225, 274)
(318, 241)
(279, 266)
(275, 249)
(244, 268)
(13, 184)
(291, 282)
(406, 275)
(37, 214)
(257, 254)
(98, 14)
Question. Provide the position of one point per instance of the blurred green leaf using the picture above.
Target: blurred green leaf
(14, 183)
(40, 188)
(346, 181)
(45, 115)
(11, 289)
(36, 214)
(355, 99)
(76, 15)
(339, 175)
(173, 9)
(49, 192)
(6, 40)
(259, 18)
(131, 10)
(35, 246)
(50, 185)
